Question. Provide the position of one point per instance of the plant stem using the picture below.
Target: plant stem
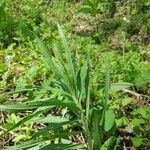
(87, 132)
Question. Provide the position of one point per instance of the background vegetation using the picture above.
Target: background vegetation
(75, 74)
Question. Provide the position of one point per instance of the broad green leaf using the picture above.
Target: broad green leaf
(137, 122)
(109, 120)
(86, 9)
(143, 111)
(96, 129)
(120, 86)
(137, 141)
(126, 101)
(122, 121)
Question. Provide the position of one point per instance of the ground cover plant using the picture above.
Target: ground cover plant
(74, 75)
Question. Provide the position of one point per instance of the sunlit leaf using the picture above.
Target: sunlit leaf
(137, 141)
(109, 120)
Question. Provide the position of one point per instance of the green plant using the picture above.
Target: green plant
(72, 81)
(140, 120)
(92, 7)
(132, 116)
(115, 27)
(21, 133)
(100, 9)
(7, 26)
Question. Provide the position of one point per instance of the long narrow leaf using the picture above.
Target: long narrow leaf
(68, 56)
(40, 103)
(96, 129)
(51, 119)
(107, 86)
(63, 147)
(45, 52)
(63, 75)
(28, 144)
(106, 92)
(40, 141)
(53, 127)
(83, 75)
(87, 87)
